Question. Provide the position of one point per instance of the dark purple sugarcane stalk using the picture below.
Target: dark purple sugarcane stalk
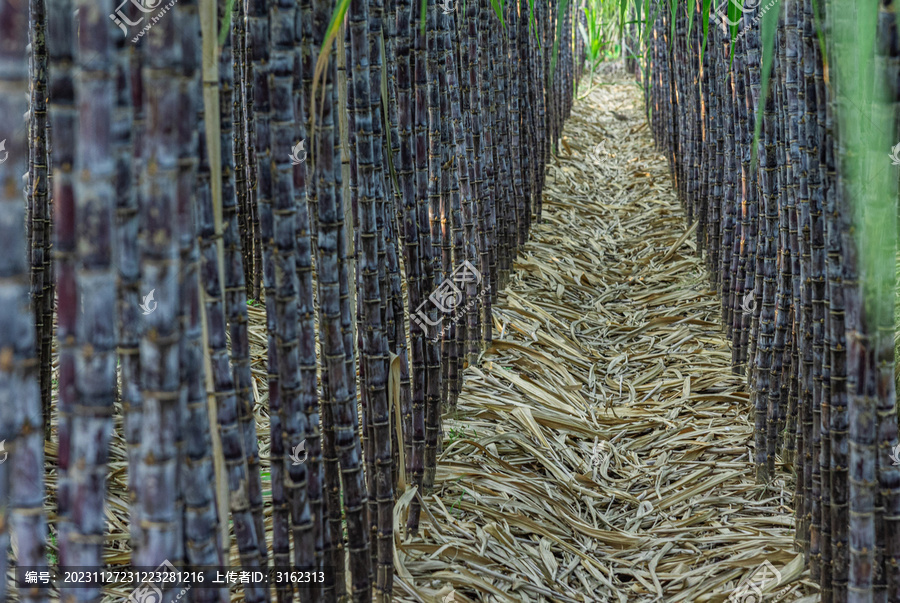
(331, 248)
(486, 145)
(442, 221)
(237, 41)
(474, 217)
(61, 89)
(414, 429)
(380, 404)
(237, 427)
(429, 312)
(282, 57)
(305, 306)
(374, 346)
(437, 278)
(315, 22)
(157, 486)
(21, 478)
(128, 125)
(39, 219)
(237, 259)
(258, 32)
(95, 282)
(459, 186)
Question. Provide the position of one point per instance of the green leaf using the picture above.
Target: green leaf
(337, 18)
(498, 9)
(704, 14)
(584, 35)
(533, 23)
(561, 7)
(226, 22)
(691, 11)
(817, 18)
(422, 13)
(674, 4)
(767, 35)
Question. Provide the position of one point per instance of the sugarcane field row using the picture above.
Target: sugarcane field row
(490, 300)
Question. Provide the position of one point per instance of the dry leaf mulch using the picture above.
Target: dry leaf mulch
(601, 450)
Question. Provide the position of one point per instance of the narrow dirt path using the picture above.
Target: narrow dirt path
(601, 451)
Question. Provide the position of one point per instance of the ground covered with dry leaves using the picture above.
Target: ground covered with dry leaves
(601, 450)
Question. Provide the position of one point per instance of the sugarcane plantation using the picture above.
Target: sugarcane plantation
(449, 301)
